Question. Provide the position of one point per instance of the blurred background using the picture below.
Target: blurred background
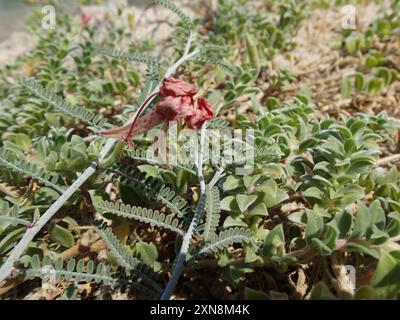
(15, 36)
(12, 15)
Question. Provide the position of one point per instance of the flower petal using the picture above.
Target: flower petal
(176, 88)
(202, 113)
(174, 108)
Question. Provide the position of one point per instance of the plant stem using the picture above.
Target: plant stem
(386, 160)
(217, 176)
(30, 233)
(193, 224)
(128, 137)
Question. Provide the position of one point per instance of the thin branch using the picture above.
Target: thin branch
(195, 220)
(218, 175)
(19, 249)
(388, 159)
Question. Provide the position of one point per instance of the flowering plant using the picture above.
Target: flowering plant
(176, 102)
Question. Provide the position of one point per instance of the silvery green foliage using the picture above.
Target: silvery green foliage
(57, 102)
(26, 168)
(126, 260)
(345, 203)
(212, 216)
(12, 216)
(154, 188)
(76, 270)
(226, 238)
(125, 56)
(154, 218)
(184, 18)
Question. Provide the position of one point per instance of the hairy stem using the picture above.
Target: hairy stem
(128, 137)
(195, 220)
(30, 233)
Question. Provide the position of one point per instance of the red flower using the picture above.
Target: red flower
(176, 88)
(176, 103)
(202, 113)
(174, 108)
(85, 18)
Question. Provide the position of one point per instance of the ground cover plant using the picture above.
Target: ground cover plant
(277, 178)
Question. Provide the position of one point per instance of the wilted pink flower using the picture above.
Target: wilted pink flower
(176, 103)
(85, 18)
(176, 88)
(174, 108)
(202, 113)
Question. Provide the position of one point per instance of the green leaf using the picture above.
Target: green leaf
(351, 193)
(121, 86)
(251, 294)
(272, 195)
(359, 81)
(23, 141)
(147, 252)
(212, 215)
(371, 61)
(393, 227)
(252, 51)
(151, 171)
(153, 217)
(259, 210)
(232, 274)
(351, 45)
(272, 103)
(386, 74)
(378, 217)
(57, 102)
(345, 88)
(9, 241)
(387, 275)
(313, 192)
(374, 86)
(350, 146)
(363, 248)
(118, 54)
(377, 236)
(315, 225)
(61, 235)
(226, 238)
(330, 237)
(250, 180)
(133, 78)
(321, 292)
(321, 247)
(274, 243)
(251, 255)
(307, 144)
(366, 293)
(231, 183)
(362, 220)
(229, 204)
(344, 221)
(244, 201)
(234, 221)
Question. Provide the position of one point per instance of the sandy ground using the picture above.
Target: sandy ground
(153, 21)
(319, 67)
(17, 44)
